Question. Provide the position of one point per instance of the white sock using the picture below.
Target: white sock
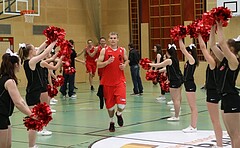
(119, 113)
(111, 119)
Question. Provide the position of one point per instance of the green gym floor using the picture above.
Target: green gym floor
(79, 123)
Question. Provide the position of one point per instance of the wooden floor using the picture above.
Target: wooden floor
(79, 123)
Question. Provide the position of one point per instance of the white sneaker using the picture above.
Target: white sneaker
(52, 103)
(173, 119)
(74, 96)
(54, 100)
(35, 146)
(162, 98)
(170, 103)
(45, 132)
(190, 129)
(53, 110)
(173, 109)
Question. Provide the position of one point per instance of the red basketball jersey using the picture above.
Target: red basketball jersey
(90, 59)
(112, 75)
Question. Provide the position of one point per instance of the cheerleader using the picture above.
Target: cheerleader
(190, 87)
(175, 78)
(32, 58)
(213, 97)
(159, 58)
(46, 66)
(10, 96)
(227, 74)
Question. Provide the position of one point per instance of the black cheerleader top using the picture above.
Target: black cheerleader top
(34, 77)
(6, 103)
(173, 71)
(226, 78)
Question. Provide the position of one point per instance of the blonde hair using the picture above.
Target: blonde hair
(113, 33)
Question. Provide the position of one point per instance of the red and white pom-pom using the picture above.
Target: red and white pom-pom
(208, 18)
(33, 124)
(52, 91)
(222, 14)
(178, 32)
(198, 27)
(54, 33)
(69, 70)
(165, 86)
(192, 29)
(65, 49)
(151, 75)
(59, 81)
(41, 116)
(145, 63)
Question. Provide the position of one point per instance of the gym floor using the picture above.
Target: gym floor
(79, 123)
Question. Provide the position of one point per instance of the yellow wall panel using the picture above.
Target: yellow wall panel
(57, 15)
(57, 3)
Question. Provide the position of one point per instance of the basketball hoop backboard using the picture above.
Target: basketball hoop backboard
(14, 7)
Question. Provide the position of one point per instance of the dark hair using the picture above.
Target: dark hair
(131, 45)
(173, 53)
(102, 37)
(159, 49)
(7, 66)
(235, 45)
(71, 41)
(23, 52)
(89, 40)
(193, 52)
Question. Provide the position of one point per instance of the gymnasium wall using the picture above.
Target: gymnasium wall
(72, 16)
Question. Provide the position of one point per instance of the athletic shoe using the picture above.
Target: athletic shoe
(161, 98)
(111, 127)
(74, 96)
(189, 129)
(53, 111)
(54, 100)
(92, 88)
(35, 146)
(133, 94)
(173, 119)
(63, 96)
(45, 132)
(173, 109)
(52, 103)
(101, 102)
(170, 103)
(119, 119)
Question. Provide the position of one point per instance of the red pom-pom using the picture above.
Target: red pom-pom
(33, 124)
(178, 32)
(165, 86)
(145, 63)
(54, 33)
(59, 81)
(66, 49)
(198, 27)
(151, 75)
(208, 18)
(52, 91)
(41, 117)
(222, 14)
(69, 70)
